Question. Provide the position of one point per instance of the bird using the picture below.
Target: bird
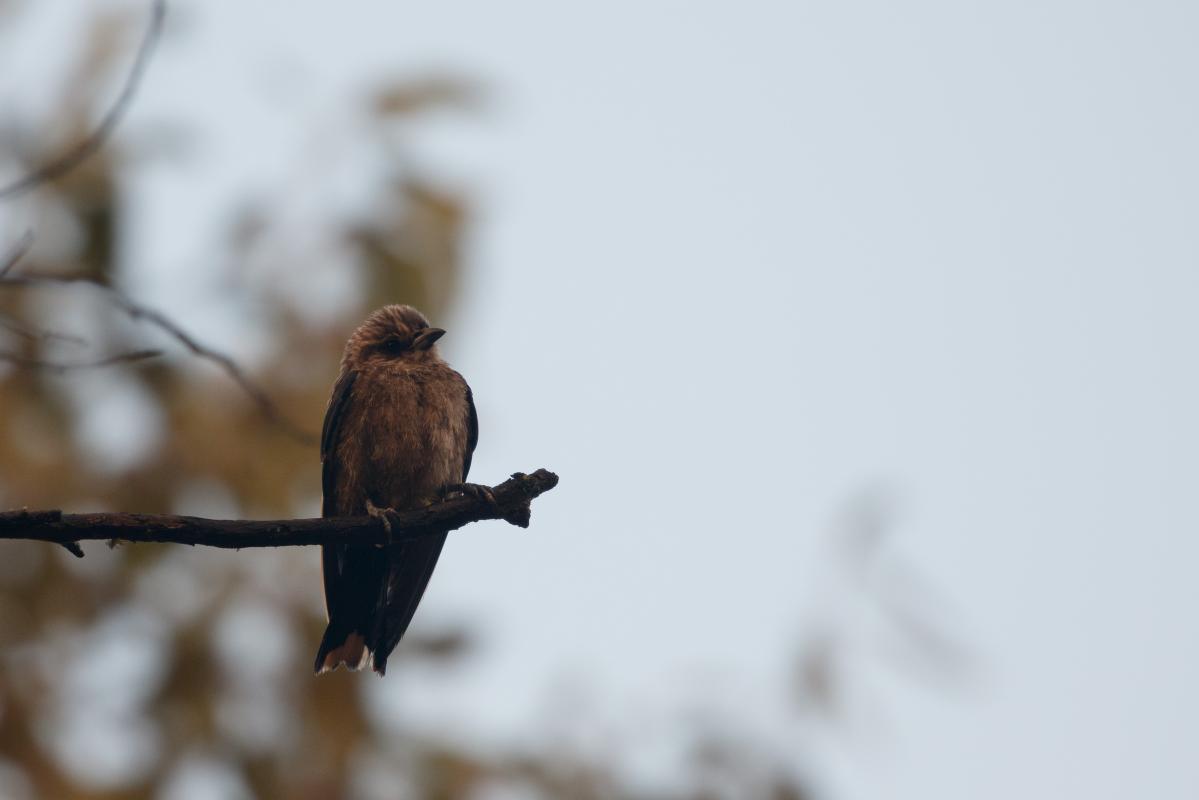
(399, 433)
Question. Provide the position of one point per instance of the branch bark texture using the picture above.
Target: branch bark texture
(512, 503)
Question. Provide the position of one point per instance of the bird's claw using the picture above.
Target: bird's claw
(474, 490)
(384, 515)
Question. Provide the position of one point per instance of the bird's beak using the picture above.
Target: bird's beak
(425, 339)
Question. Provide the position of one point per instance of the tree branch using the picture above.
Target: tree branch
(17, 252)
(136, 311)
(60, 366)
(512, 503)
(37, 334)
(94, 140)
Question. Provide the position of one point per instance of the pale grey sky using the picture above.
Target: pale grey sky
(784, 252)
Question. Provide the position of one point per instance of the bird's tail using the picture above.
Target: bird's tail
(372, 610)
(353, 576)
(341, 644)
(411, 567)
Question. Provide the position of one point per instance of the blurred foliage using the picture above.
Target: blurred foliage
(149, 671)
(216, 647)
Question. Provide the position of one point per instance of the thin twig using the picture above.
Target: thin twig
(69, 161)
(17, 253)
(108, 123)
(137, 311)
(37, 334)
(30, 362)
(16, 326)
(512, 502)
(265, 405)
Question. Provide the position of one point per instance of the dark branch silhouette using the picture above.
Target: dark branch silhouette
(37, 334)
(136, 311)
(512, 503)
(16, 326)
(89, 144)
(65, 163)
(30, 362)
(17, 253)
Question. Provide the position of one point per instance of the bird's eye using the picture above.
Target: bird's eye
(394, 347)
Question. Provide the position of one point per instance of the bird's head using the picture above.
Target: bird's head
(399, 334)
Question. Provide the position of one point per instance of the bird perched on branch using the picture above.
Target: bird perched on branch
(398, 434)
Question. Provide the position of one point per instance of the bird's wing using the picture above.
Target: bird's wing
(412, 564)
(330, 431)
(332, 556)
(472, 432)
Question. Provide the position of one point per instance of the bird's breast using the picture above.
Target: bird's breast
(413, 437)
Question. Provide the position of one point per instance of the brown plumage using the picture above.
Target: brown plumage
(399, 433)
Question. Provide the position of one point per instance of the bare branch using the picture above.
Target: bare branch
(29, 362)
(137, 311)
(265, 405)
(73, 548)
(512, 502)
(17, 253)
(16, 326)
(108, 123)
(37, 334)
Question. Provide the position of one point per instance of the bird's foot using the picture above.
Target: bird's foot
(384, 515)
(518, 516)
(475, 490)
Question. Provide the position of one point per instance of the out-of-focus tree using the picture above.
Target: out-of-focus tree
(139, 667)
(155, 671)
